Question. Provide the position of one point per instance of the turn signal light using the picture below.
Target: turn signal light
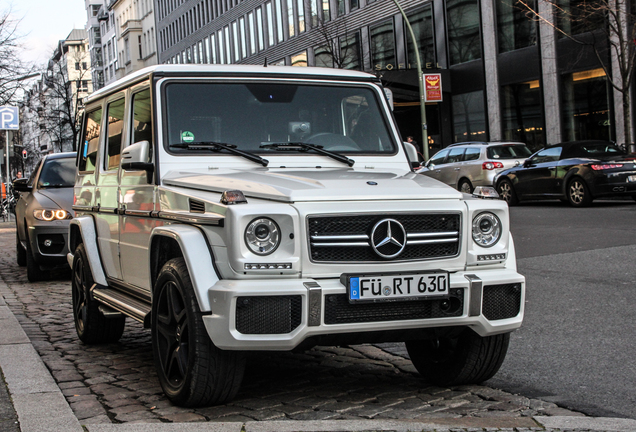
(491, 165)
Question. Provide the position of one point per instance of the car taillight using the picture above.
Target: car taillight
(598, 167)
(491, 165)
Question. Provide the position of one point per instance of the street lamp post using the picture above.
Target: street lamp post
(420, 80)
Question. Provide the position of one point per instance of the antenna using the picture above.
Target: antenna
(265, 62)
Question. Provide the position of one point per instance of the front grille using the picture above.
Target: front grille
(268, 314)
(56, 243)
(338, 310)
(348, 238)
(501, 301)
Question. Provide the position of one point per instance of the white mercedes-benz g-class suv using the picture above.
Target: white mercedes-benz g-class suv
(243, 208)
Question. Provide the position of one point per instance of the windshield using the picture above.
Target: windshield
(57, 173)
(252, 115)
(509, 151)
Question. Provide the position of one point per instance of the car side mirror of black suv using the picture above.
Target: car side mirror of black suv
(20, 185)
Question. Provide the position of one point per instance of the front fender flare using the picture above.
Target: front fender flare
(198, 258)
(86, 227)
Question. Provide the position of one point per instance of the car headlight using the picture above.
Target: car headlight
(262, 236)
(486, 229)
(49, 215)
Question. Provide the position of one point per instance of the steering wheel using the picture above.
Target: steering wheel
(333, 142)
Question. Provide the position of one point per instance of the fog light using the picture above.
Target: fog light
(48, 242)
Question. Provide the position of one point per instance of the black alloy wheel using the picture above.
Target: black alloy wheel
(465, 186)
(192, 371)
(91, 325)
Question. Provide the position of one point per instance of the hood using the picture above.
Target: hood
(63, 197)
(297, 185)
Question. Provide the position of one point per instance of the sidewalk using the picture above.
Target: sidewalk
(31, 401)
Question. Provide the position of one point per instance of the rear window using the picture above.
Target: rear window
(509, 151)
(598, 149)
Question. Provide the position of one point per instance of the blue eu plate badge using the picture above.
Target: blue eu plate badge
(354, 287)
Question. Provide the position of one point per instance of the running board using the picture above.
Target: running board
(124, 303)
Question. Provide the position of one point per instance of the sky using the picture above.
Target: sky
(44, 23)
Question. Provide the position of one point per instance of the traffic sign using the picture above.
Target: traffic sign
(9, 118)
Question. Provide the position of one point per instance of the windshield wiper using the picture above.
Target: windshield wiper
(217, 146)
(304, 147)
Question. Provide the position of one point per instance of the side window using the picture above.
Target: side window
(472, 153)
(548, 155)
(88, 150)
(455, 155)
(142, 117)
(31, 180)
(438, 159)
(115, 130)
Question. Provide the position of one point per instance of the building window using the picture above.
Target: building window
(270, 23)
(299, 59)
(579, 16)
(354, 4)
(237, 51)
(213, 59)
(250, 25)
(84, 66)
(514, 28)
(290, 17)
(140, 51)
(522, 114)
(228, 46)
(323, 57)
(301, 15)
(279, 20)
(326, 11)
(350, 51)
(469, 117)
(382, 46)
(464, 40)
(260, 29)
(221, 47)
(243, 37)
(77, 66)
(422, 24)
(586, 113)
(341, 7)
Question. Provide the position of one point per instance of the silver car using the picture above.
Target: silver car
(43, 213)
(469, 164)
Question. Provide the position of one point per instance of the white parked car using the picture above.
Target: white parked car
(244, 208)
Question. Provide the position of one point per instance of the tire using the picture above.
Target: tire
(90, 323)
(34, 273)
(507, 192)
(465, 186)
(465, 359)
(21, 253)
(578, 194)
(192, 371)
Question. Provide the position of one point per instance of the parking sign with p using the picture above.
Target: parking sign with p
(9, 118)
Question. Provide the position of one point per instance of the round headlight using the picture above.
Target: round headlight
(486, 229)
(262, 236)
(60, 214)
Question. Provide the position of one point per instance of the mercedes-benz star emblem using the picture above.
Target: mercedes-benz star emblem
(388, 238)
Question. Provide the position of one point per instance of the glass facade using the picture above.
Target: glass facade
(514, 29)
(469, 117)
(322, 57)
(299, 59)
(585, 106)
(350, 51)
(422, 24)
(522, 114)
(579, 16)
(464, 41)
(382, 46)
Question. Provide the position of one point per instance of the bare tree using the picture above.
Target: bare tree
(13, 69)
(336, 43)
(63, 89)
(598, 24)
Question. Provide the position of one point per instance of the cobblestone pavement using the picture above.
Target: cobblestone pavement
(116, 383)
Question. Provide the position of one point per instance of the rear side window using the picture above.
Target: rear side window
(115, 131)
(455, 155)
(514, 151)
(88, 150)
(472, 153)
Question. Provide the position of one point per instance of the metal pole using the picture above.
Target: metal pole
(7, 162)
(420, 79)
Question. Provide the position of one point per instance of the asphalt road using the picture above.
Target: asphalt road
(576, 347)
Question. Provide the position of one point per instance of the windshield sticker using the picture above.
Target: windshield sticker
(187, 136)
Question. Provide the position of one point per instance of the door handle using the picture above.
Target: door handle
(457, 169)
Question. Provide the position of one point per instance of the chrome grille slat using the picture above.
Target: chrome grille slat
(346, 238)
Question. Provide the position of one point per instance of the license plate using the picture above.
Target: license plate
(383, 287)
(631, 178)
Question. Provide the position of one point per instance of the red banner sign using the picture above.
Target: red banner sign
(433, 87)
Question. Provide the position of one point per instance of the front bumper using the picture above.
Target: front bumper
(49, 243)
(281, 314)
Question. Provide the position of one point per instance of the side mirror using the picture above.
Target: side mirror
(135, 158)
(20, 185)
(527, 163)
(411, 154)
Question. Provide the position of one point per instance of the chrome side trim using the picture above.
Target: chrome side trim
(82, 208)
(433, 234)
(340, 244)
(341, 237)
(123, 303)
(203, 219)
(475, 286)
(314, 316)
(416, 242)
(140, 213)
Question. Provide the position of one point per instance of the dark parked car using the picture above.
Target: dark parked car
(576, 172)
(43, 213)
